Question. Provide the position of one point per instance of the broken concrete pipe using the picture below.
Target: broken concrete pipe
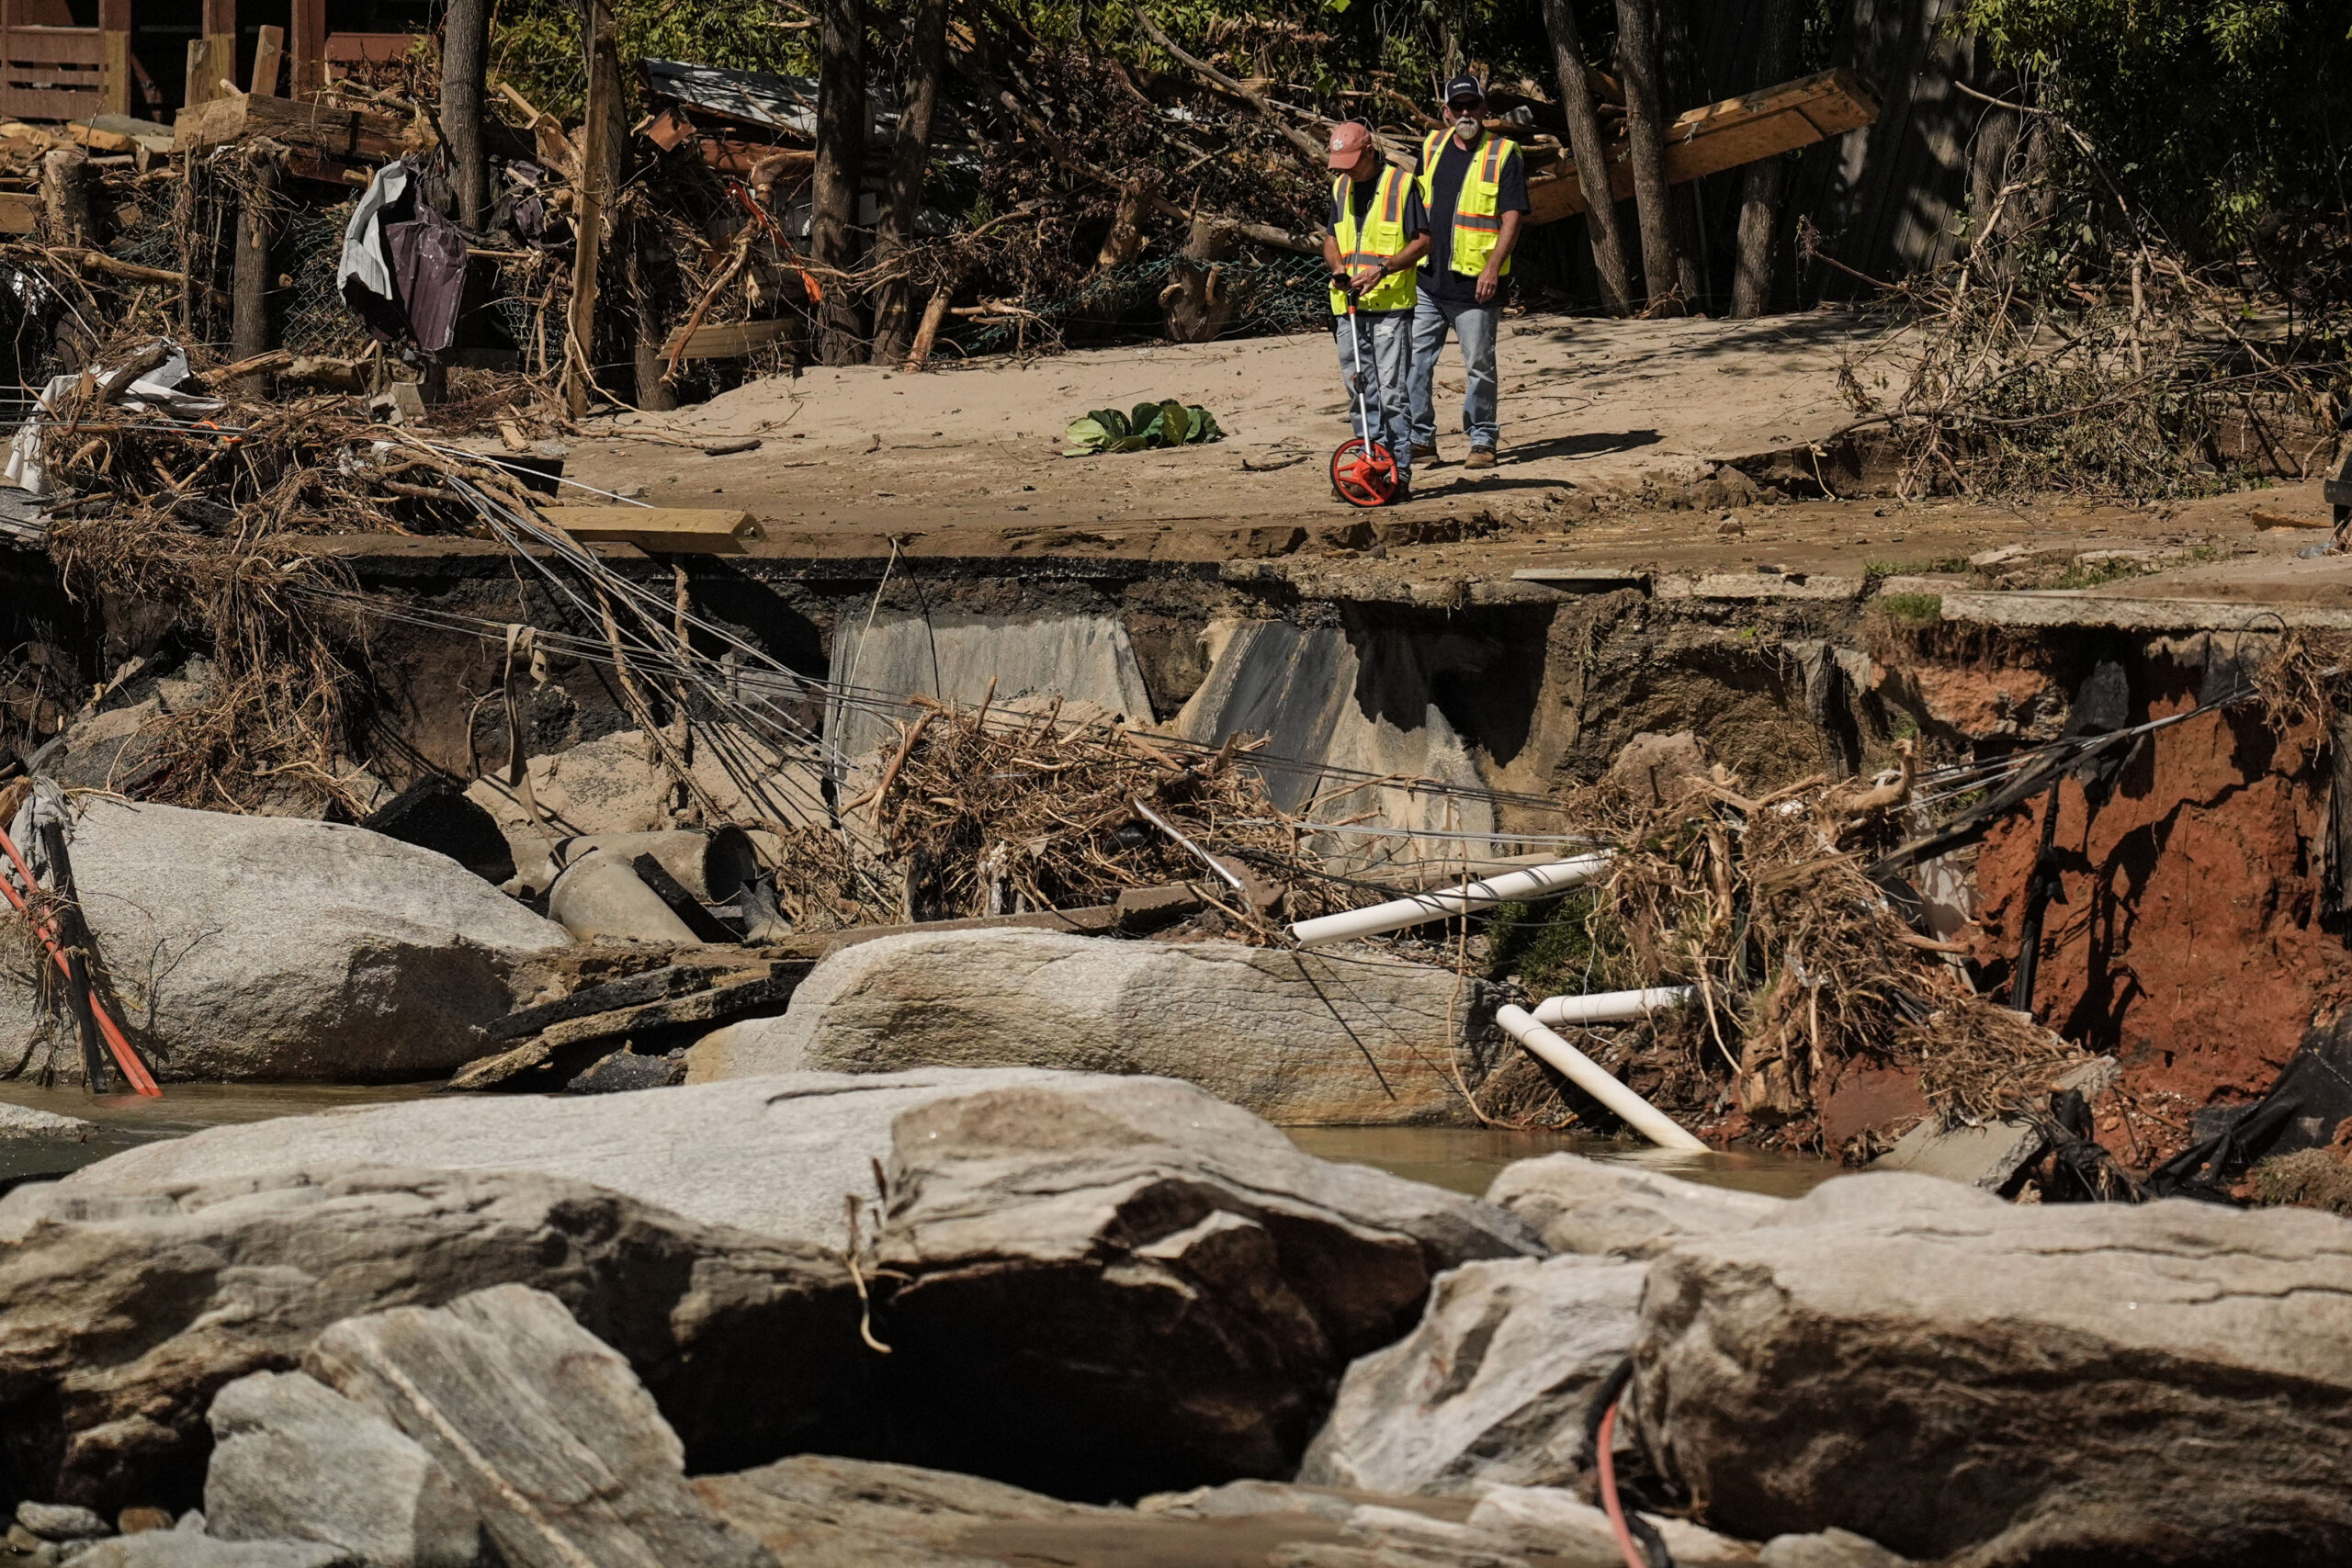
(1609, 1007)
(1595, 1080)
(714, 867)
(601, 896)
(1536, 882)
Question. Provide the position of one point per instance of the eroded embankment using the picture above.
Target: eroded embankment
(2190, 929)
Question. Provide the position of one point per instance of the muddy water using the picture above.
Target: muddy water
(1468, 1158)
(1465, 1159)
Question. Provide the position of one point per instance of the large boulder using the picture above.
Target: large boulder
(558, 1444)
(1297, 1037)
(1613, 1207)
(294, 1460)
(1096, 1285)
(127, 1311)
(1960, 1379)
(1490, 1388)
(271, 947)
(1114, 1285)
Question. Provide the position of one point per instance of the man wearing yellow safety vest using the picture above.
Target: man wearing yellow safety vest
(1378, 231)
(1474, 189)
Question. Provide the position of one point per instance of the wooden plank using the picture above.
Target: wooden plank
(353, 49)
(53, 46)
(338, 132)
(734, 340)
(1726, 135)
(47, 102)
(198, 89)
(659, 530)
(269, 50)
(309, 39)
(19, 212)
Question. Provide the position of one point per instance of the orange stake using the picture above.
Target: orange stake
(134, 1071)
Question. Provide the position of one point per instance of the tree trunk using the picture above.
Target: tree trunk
(66, 196)
(1592, 151)
(841, 154)
(1200, 300)
(894, 312)
(464, 62)
(251, 273)
(653, 394)
(1760, 183)
(602, 141)
(1638, 65)
(1680, 83)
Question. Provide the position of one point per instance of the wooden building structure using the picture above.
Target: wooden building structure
(68, 60)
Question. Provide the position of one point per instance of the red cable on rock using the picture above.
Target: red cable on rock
(134, 1071)
(1633, 1556)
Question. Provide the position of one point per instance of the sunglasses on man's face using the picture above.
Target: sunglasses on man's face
(1460, 104)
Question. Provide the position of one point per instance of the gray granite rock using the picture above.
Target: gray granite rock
(22, 1123)
(292, 1459)
(560, 1447)
(62, 1521)
(1590, 1205)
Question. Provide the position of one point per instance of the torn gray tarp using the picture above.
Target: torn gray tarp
(403, 265)
(155, 393)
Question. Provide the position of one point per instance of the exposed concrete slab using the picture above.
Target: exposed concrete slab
(2076, 608)
(1080, 658)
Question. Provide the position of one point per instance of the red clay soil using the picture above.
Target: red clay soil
(2187, 944)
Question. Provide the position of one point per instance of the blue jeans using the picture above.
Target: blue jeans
(1474, 326)
(1384, 397)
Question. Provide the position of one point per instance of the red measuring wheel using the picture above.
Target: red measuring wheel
(1364, 472)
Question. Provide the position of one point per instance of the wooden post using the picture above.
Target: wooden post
(309, 44)
(251, 275)
(600, 146)
(1637, 62)
(269, 53)
(221, 38)
(653, 394)
(1592, 152)
(200, 73)
(841, 155)
(934, 314)
(66, 196)
(464, 64)
(114, 66)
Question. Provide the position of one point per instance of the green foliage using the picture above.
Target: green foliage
(1911, 609)
(2208, 114)
(535, 44)
(1168, 423)
(1561, 946)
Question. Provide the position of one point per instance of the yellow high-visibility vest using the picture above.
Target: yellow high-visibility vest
(1477, 224)
(1383, 237)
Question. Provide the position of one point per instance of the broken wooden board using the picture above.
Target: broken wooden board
(1726, 135)
(565, 1044)
(733, 339)
(19, 212)
(659, 530)
(338, 132)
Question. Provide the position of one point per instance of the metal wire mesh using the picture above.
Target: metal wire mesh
(316, 319)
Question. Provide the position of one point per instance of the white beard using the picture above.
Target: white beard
(1467, 128)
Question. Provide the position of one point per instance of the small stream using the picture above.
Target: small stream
(1464, 1159)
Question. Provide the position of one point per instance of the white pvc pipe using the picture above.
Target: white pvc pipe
(1608, 1007)
(1536, 882)
(1595, 1080)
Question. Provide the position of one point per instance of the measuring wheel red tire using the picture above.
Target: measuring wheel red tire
(1364, 473)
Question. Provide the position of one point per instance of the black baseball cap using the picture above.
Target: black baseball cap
(1464, 87)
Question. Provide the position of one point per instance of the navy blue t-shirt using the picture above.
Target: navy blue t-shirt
(1439, 280)
(1360, 195)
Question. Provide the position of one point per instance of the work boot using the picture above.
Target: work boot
(1480, 458)
(1401, 494)
(1425, 451)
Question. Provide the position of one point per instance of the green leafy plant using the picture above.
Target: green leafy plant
(1168, 423)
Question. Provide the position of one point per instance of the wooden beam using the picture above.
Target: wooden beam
(114, 69)
(1726, 135)
(199, 90)
(658, 530)
(734, 340)
(336, 132)
(220, 36)
(310, 46)
(269, 52)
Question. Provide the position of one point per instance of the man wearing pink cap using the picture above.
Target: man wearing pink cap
(1376, 233)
